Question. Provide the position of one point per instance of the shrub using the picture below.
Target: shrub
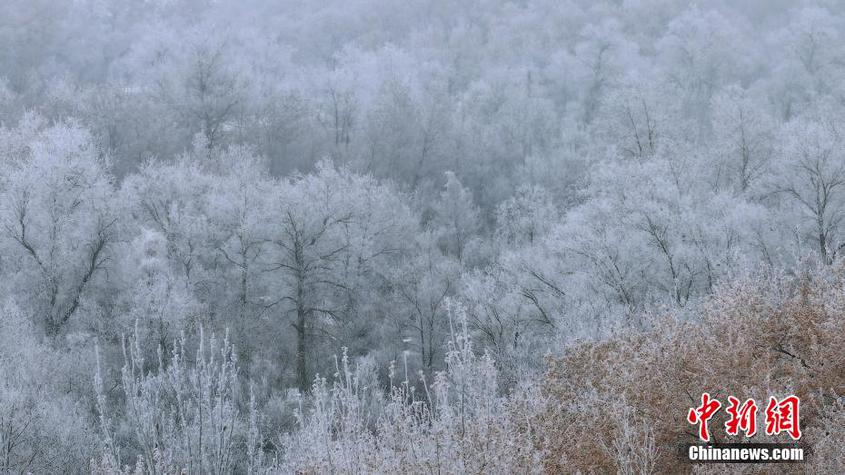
(184, 417)
(772, 335)
(460, 424)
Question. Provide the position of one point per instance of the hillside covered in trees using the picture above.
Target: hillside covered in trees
(451, 236)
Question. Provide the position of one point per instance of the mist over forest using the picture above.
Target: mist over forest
(451, 236)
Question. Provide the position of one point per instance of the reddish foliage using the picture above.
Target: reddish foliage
(755, 338)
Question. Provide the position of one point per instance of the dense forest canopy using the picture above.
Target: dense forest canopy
(424, 191)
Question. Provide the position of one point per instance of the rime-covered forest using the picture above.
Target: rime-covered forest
(425, 236)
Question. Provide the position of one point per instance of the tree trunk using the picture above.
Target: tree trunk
(301, 368)
(301, 314)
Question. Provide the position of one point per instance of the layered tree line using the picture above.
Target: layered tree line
(278, 235)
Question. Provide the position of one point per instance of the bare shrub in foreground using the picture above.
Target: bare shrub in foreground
(459, 425)
(184, 415)
(757, 337)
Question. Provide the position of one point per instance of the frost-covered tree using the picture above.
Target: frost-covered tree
(422, 285)
(457, 219)
(43, 417)
(203, 91)
(329, 231)
(745, 138)
(58, 220)
(812, 178)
